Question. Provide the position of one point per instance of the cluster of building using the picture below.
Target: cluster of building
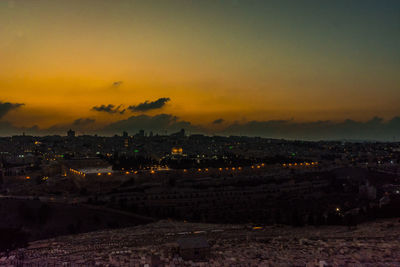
(207, 179)
(21, 152)
(200, 177)
(32, 156)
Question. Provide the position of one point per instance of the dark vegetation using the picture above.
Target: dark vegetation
(231, 200)
(27, 220)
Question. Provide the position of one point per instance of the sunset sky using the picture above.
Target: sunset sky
(211, 64)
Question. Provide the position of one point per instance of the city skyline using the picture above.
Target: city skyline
(306, 70)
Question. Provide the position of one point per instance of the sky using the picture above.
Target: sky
(213, 66)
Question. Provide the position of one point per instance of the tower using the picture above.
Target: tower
(71, 133)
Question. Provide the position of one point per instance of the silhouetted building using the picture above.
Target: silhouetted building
(71, 133)
(176, 151)
(140, 133)
(179, 134)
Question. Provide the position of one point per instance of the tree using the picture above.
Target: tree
(44, 213)
(12, 238)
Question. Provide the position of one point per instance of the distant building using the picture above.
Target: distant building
(194, 248)
(86, 166)
(180, 134)
(176, 151)
(140, 133)
(71, 133)
(125, 134)
(126, 142)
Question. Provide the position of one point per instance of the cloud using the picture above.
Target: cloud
(145, 106)
(110, 108)
(218, 121)
(6, 107)
(8, 129)
(83, 121)
(161, 123)
(82, 125)
(117, 84)
(373, 129)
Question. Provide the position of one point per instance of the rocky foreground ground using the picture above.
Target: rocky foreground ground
(370, 244)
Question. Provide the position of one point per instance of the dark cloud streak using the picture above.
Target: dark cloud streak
(110, 108)
(83, 121)
(6, 107)
(146, 106)
(218, 121)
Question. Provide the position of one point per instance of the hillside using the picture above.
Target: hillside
(40, 220)
(370, 244)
